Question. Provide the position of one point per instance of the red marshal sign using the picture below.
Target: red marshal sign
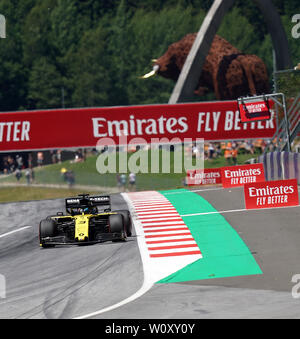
(208, 176)
(271, 194)
(235, 176)
(255, 110)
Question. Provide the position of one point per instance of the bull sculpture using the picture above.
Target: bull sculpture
(227, 72)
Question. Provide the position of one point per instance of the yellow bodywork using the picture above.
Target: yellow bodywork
(82, 226)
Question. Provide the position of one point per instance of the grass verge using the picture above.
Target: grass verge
(86, 174)
(13, 194)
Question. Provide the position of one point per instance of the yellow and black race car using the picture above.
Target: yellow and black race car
(84, 223)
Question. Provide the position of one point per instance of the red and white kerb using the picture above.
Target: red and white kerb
(165, 233)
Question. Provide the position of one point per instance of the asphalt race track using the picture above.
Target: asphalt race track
(74, 281)
(66, 281)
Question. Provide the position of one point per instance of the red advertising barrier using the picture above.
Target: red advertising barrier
(271, 194)
(68, 128)
(208, 176)
(235, 176)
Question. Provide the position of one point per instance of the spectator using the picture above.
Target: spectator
(234, 154)
(11, 164)
(132, 181)
(211, 151)
(29, 174)
(263, 146)
(70, 178)
(269, 145)
(195, 150)
(123, 181)
(53, 156)
(19, 161)
(249, 147)
(79, 157)
(218, 150)
(30, 160)
(32, 175)
(40, 158)
(58, 156)
(228, 154)
(6, 168)
(18, 174)
(63, 172)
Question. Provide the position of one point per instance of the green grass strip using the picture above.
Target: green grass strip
(224, 253)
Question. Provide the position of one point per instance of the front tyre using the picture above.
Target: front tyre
(47, 229)
(117, 227)
(127, 221)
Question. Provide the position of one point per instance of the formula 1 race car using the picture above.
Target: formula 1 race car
(84, 224)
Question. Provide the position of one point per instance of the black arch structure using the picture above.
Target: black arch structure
(187, 81)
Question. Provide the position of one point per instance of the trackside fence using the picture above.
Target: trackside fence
(281, 165)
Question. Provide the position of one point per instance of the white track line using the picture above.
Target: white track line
(163, 238)
(179, 224)
(145, 288)
(215, 212)
(164, 214)
(15, 231)
(199, 190)
(209, 189)
(152, 210)
(144, 215)
(234, 211)
(173, 243)
(170, 240)
(155, 228)
(147, 221)
(148, 281)
(164, 223)
(158, 208)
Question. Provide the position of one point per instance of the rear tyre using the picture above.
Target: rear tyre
(127, 221)
(116, 225)
(47, 228)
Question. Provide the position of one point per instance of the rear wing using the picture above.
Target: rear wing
(102, 200)
(84, 200)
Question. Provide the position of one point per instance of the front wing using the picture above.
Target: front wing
(64, 240)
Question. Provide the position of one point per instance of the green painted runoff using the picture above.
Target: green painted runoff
(224, 253)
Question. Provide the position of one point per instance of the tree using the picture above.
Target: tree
(13, 75)
(38, 35)
(45, 85)
(89, 71)
(96, 50)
